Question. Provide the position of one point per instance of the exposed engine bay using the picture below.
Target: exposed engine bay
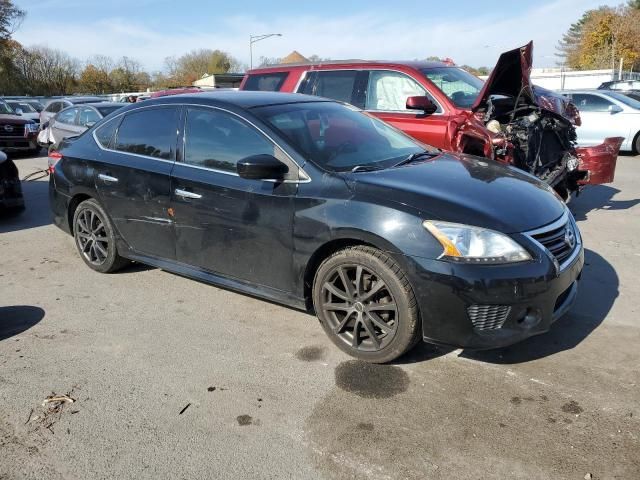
(536, 140)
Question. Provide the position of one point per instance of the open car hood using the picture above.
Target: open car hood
(510, 77)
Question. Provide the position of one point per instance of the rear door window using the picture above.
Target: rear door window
(150, 132)
(104, 134)
(335, 84)
(266, 82)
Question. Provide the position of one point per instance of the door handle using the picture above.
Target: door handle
(186, 194)
(107, 178)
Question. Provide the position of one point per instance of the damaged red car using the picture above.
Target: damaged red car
(506, 118)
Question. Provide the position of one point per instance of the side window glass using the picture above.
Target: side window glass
(104, 134)
(88, 117)
(218, 140)
(54, 107)
(591, 103)
(266, 82)
(388, 91)
(150, 132)
(337, 85)
(67, 116)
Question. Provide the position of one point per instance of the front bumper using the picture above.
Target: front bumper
(19, 144)
(534, 294)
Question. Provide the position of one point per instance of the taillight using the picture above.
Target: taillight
(54, 157)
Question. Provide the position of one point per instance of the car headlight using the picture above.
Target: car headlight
(468, 244)
(31, 127)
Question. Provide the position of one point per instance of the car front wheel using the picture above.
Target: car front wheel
(366, 305)
(95, 238)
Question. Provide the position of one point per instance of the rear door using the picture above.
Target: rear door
(134, 178)
(226, 224)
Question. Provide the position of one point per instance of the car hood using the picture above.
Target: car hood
(13, 119)
(465, 189)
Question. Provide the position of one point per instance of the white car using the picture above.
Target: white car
(607, 114)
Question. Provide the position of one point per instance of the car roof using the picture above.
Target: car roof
(417, 64)
(242, 99)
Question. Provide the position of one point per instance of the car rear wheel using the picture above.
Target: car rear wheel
(636, 144)
(95, 238)
(366, 305)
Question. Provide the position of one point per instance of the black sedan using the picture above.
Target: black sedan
(319, 206)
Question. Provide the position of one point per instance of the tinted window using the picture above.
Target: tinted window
(389, 90)
(266, 82)
(337, 85)
(217, 140)
(54, 107)
(104, 111)
(105, 132)
(590, 103)
(88, 115)
(337, 137)
(150, 132)
(457, 84)
(67, 116)
(5, 108)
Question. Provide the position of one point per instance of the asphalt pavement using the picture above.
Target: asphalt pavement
(177, 379)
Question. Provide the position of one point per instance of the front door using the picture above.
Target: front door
(226, 224)
(134, 179)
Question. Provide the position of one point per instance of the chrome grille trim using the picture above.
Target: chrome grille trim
(488, 317)
(551, 238)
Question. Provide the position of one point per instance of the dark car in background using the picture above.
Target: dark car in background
(72, 121)
(505, 118)
(17, 134)
(11, 198)
(319, 206)
(59, 104)
(630, 88)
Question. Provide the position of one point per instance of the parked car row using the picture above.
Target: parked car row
(505, 118)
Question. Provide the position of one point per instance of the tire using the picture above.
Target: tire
(95, 238)
(636, 144)
(353, 313)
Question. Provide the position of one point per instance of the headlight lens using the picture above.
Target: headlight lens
(31, 127)
(465, 243)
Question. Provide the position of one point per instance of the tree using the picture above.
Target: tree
(94, 80)
(10, 19)
(197, 63)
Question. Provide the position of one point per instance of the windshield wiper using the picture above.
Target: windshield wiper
(365, 168)
(414, 157)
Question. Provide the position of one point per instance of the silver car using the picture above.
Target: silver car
(73, 121)
(59, 104)
(607, 114)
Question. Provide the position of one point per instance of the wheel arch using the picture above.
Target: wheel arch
(76, 200)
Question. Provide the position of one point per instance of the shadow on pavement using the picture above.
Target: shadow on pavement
(598, 197)
(597, 293)
(18, 318)
(36, 212)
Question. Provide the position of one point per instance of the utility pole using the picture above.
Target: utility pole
(256, 38)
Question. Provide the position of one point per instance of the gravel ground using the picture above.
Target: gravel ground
(177, 379)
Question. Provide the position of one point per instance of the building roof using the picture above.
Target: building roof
(295, 57)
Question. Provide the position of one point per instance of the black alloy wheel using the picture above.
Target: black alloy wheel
(366, 304)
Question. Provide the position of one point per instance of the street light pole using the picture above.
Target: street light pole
(256, 38)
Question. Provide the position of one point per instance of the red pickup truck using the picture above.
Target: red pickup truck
(506, 118)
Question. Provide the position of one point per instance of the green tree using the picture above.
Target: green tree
(94, 80)
(10, 18)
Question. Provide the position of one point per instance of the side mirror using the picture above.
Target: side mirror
(3, 156)
(261, 167)
(614, 109)
(421, 103)
(18, 111)
(89, 124)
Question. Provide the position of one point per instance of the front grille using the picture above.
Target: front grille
(488, 317)
(560, 241)
(10, 130)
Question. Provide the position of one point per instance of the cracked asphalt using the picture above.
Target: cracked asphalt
(173, 378)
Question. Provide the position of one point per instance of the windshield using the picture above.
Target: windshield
(338, 138)
(5, 108)
(624, 99)
(457, 84)
(25, 107)
(36, 105)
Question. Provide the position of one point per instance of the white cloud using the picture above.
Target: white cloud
(377, 34)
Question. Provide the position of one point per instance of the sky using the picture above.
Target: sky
(472, 32)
